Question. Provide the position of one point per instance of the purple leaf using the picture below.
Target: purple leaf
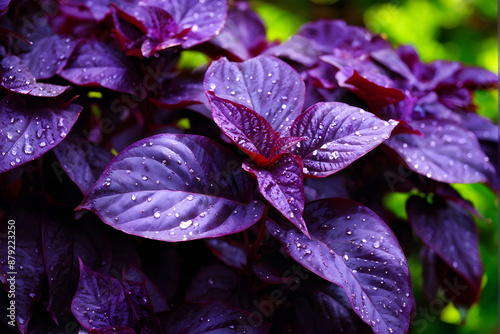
(353, 248)
(18, 79)
(98, 10)
(246, 128)
(282, 186)
(201, 19)
(63, 243)
(141, 306)
(450, 232)
(30, 130)
(49, 55)
(446, 152)
(337, 134)
(97, 64)
(228, 251)
(298, 49)
(174, 188)
(264, 84)
(21, 269)
(3, 5)
(211, 317)
(244, 34)
(131, 273)
(82, 161)
(113, 330)
(180, 92)
(319, 309)
(474, 78)
(219, 283)
(483, 128)
(430, 278)
(99, 301)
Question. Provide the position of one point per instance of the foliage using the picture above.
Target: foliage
(149, 196)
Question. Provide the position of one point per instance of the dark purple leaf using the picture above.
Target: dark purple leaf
(430, 279)
(319, 309)
(99, 301)
(228, 251)
(141, 306)
(49, 55)
(282, 186)
(390, 59)
(450, 232)
(131, 273)
(63, 242)
(446, 152)
(244, 34)
(180, 92)
(21, 269)
(97, 64)
(174, 188)
(201, 19)
(337, 134)
(264, 84)
(246, 128)
(18, 79)
(353, 248)
(474, 78)
(219, 283)
(483, 128)
(98, 10)
(211, 317)
(30, 130)
(82, 161)
(298, 49)
(267, 273)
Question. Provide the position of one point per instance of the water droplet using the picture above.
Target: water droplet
(376, 244)
(190, 197)
(144, 178)
(157, 214)
(107, 182)
(346, 257)
(28, 149)
(185, 224)
(134, 198)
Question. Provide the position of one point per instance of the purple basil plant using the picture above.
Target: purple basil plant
(244, 196)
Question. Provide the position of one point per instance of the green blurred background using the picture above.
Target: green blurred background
(463, 30)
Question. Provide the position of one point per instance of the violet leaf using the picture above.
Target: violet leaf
(100, 301)
(337, 134)
(82, 160)
(246, 128)
(30, 130)
(442, 226)
(283, 187)
(265, 84)
(49, 55)
(18, 79)
(211, 317)
(174, 188)
(446, 152)
(353, 248)
(95, 63)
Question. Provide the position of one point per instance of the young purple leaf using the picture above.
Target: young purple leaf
(246, 128)
(265, 84)
(18, 79)
(450, 232)
(21, 269)
(29, 131)
(100, 301)
(212, 317)
(337, 134)
(82, 160)
(353, 248)
(282, 186)
(175, 188)
(446, 152)
(49, 55)
(97, 64)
